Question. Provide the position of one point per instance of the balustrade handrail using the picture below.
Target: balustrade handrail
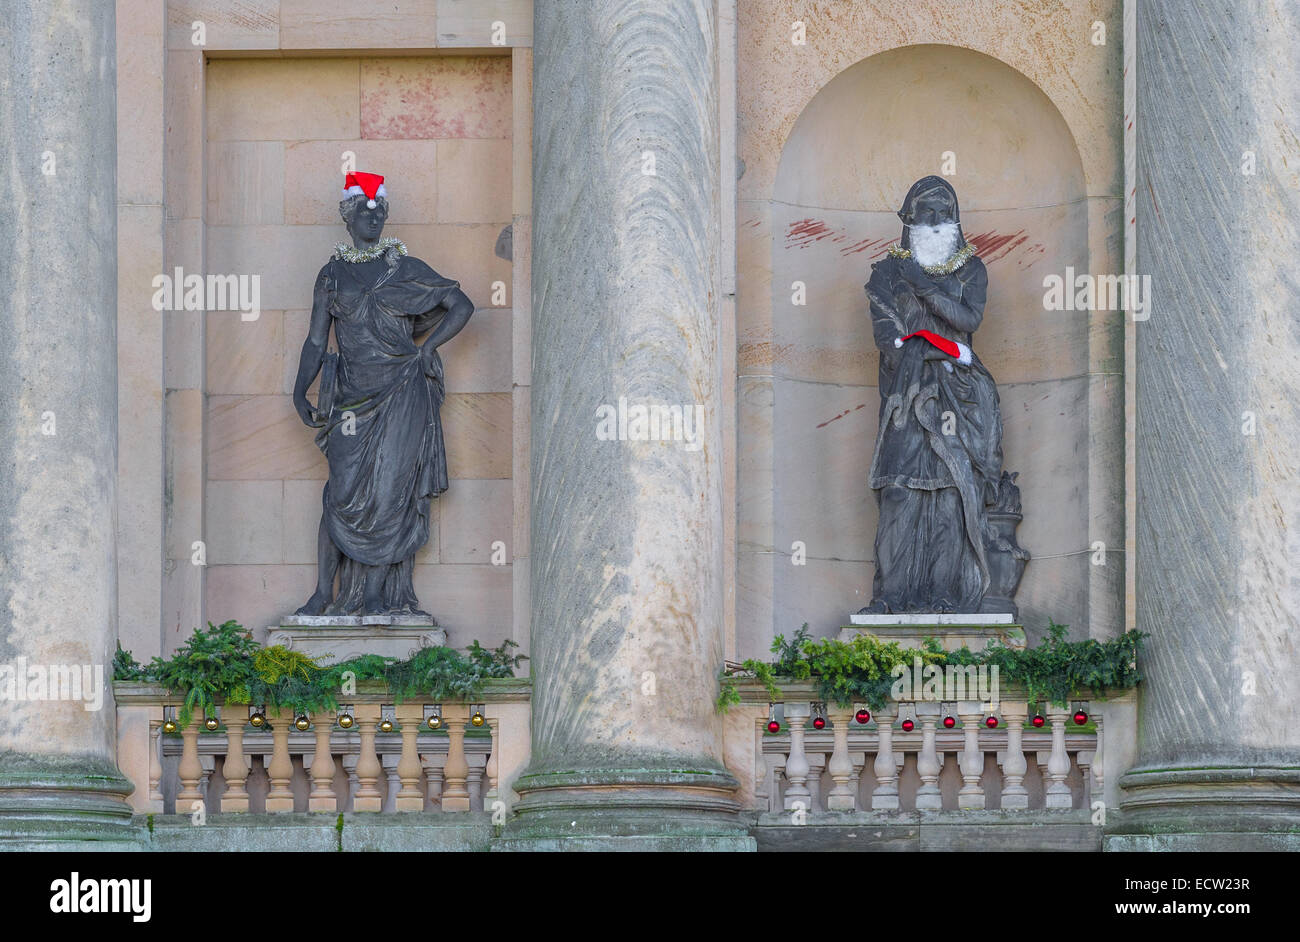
(752, 690)
(370, 690)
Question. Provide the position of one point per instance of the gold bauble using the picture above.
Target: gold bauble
(169, 726)
(212, 724)
(302, 724)
(476, 719)
(434, 721)
(346, 721)
(386, 725)
(257, 720)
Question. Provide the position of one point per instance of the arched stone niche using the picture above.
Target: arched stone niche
(852, 154)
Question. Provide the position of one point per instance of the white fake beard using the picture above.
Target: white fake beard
(934, 245)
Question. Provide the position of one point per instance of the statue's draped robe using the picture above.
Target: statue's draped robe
(383, 435)
(932, 488)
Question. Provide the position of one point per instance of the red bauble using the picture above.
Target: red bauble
(773, 726)
(1038, 720)
(908, 726)
(1080, 717)
(819, 722)
(991, 722)
(949, 722)
(863, 717)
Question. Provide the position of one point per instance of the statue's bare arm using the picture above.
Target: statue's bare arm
(313, 349)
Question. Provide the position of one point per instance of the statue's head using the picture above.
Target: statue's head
(364, 206)
(931, 221)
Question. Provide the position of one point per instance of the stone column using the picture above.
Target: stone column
(627, 604)
(58, 429)
(1218, 428)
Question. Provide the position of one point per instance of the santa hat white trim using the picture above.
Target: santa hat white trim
(355, 190)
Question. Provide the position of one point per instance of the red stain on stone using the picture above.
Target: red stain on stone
(805, 232)
(865, 244)
(420, 99)
(842, 415)
(992, 246)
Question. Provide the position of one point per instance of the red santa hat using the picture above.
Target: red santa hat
(369, 185)
(951, 347)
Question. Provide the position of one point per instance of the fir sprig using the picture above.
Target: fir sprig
(861, 670)
(225, 663)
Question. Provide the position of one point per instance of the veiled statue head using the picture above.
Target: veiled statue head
(364, 206)
(931, 221)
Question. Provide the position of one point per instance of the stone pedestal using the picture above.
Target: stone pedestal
(1217, 447)
(333, 638)
(627, 598)
(59, 782)
(953, 632)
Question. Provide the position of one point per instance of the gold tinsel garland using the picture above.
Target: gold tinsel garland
(958, 259)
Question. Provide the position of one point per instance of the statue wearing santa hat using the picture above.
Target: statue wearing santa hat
(378, 408)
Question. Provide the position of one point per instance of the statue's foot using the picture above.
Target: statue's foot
(372, 605)
(878, 607)
(944, 607)
(315, 605)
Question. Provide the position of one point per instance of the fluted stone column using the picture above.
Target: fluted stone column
(1218, 427)
(58, 427)
(627, 634)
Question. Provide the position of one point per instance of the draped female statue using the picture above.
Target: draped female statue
(937, 467)
(377, 411)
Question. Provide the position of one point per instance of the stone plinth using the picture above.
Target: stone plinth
(333, 638)
(953, 632)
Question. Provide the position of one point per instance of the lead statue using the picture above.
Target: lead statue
(937, 467)
(377, 412)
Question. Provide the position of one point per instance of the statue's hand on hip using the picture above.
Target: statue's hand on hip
(310, 417)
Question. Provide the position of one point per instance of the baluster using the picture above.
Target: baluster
(409, 796)
(816, 765)
(391, 784)
(885, 796)
(368, 797)
(1058, 764)
(492, 719)
(1098, 768)
(1015, 797)
(155, 766)
(209, 764)
(971, 761)
(191, 770)
(796, 764)
(322, 797)
(236, 767)
(455, 790)
(349, 760)
(928, 764)
(433, 776)
(280, 769)
(842, 796)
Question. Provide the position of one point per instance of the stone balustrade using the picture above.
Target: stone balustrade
(382, 758)
(925, 756)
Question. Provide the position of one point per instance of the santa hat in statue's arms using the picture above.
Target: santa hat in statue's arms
(369, 185)
(953, 348)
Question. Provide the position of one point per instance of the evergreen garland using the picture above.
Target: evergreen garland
(225, 663)
(860, 671)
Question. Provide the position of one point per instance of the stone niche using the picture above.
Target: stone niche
(277, 131)
(844, 167)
